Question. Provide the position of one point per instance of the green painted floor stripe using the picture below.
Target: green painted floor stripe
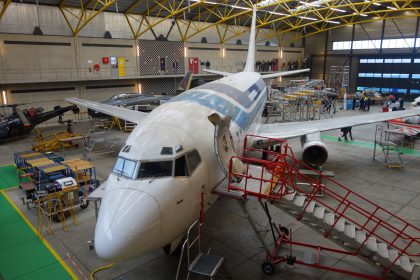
(369, 145)
(22, 253)
(8, 177)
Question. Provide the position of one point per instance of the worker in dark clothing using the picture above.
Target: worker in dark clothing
(354, 103)
(401, 104)
(368, 101)
(344, 132)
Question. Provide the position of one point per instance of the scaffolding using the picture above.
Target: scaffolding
(339, 77)
(55, 206)
(390, 149)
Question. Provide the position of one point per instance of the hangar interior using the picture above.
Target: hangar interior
(340, 204)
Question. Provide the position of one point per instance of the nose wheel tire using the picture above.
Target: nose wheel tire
(268, 268)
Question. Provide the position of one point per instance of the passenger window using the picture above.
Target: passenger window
(181, 168)
(194, 160)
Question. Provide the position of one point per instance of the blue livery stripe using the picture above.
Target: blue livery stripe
(242, 118)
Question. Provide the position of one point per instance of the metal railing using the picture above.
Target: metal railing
(25, 75)
(364, 214)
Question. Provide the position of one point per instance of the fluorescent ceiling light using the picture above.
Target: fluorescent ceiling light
(308, 18)
(374, 3)
(333, 21)
(313, 4)
(357, 14)
(338, 10)
(391, 8)
(275, 13)
(265, 2)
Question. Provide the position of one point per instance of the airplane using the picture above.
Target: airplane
(154, 192)
(146, 102)
(416, 102)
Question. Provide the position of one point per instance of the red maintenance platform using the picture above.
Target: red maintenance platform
(361, 227)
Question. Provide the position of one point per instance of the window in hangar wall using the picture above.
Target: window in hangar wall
(389, 75)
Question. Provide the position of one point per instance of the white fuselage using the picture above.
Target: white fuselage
(141, 213)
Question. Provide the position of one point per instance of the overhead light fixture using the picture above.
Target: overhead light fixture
(313, 4)
(281, 54)
(357, 14)
(308, 18)
(338, 10)
(333, 21)
(373, 3)
(4, 97)
(265, 2)
(223, 52)
(275, 13)
(391, 8)
(185, 51)
(139, 88)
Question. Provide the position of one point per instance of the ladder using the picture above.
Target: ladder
(361, 227)
(198, 263)
(390, 150)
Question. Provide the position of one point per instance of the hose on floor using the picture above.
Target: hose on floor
(92, 274)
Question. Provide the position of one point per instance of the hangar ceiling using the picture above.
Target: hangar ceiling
(275, 17)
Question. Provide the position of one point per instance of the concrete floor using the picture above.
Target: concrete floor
(227, 232)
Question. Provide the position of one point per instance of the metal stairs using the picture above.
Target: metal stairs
(345, 233)
(361, 227)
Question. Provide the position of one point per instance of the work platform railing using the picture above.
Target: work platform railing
(276, 180)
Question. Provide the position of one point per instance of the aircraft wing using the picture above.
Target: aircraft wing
(295, 129)
(218, 72)
(122, 113)
(284, 73)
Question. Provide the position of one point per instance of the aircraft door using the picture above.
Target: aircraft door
(224, 144)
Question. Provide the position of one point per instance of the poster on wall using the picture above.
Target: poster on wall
(121, 66)
(114, 66)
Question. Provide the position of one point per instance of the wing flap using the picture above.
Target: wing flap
(295, 129)
(122, 113)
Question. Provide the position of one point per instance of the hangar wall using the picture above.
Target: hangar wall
(44, 69)
(319, 46)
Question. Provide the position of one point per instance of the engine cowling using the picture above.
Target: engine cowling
(314, 151)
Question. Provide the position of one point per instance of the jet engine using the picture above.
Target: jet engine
(314, 151)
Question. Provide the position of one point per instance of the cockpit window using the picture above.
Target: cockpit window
(155, 169)
(181, 168)
(125, 167)
(193, 159)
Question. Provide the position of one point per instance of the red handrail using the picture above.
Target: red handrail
(284, 169)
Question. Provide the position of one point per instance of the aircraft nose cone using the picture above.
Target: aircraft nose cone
(129, 224)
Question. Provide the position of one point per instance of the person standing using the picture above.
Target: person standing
(208, 64)
(401, 100)
(175, 65)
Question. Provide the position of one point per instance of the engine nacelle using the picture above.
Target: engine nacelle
(314, 151)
